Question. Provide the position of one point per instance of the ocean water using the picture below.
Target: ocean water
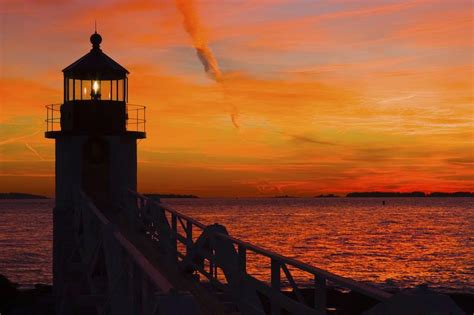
(406, 242)
(26, 236)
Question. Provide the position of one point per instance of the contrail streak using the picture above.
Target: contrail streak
(34, 151)
(234, 116)
(17, 138)
(193, 27)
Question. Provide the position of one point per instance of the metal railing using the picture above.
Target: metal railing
(222, 260)
(136, 118)
(53, 117)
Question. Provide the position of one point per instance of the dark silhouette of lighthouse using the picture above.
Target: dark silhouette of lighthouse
(96, 134)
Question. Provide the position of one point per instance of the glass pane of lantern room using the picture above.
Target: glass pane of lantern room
(120, 90)
(77, 89)
(105, 90)
(114, 90)
(86, 89)
(70, 94)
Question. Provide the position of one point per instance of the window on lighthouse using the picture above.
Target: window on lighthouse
(77, 89)
(105, 90)
(70, 89)
(113, 90)
(120, 90)
(86, 90)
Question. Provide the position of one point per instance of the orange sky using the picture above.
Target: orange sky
(328, 96)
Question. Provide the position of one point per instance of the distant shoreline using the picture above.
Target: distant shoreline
(386, 194)
(158, 196)
(369, 194)
(416, 194)
(16, 195)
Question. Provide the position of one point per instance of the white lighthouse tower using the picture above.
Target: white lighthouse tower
(96, 134)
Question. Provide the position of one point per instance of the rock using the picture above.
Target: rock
(417, 301)
(37, 301)
(8, 293)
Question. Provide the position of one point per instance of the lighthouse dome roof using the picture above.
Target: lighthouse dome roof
(95, 65)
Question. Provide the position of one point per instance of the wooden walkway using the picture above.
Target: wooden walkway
(146, 258)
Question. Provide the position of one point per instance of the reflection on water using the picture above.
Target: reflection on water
(406, 242)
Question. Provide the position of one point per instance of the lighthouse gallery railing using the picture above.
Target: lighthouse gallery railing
(135, 117)
(53, 117)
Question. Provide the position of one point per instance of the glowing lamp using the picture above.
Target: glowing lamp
(95, 93)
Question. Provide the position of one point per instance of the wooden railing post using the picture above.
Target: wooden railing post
(215, 268)
(189, 236)
(276, 285)
(211, 263)
(174, 236)
(242, 259)
(320, 294)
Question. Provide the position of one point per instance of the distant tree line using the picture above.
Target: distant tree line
(15, 195)
(326, 196)
(382, 194)
(158, 196)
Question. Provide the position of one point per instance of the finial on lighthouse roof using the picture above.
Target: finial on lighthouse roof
(96, 39)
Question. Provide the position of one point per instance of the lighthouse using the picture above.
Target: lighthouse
(96, 133)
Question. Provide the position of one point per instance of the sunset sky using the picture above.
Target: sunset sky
(315, 96)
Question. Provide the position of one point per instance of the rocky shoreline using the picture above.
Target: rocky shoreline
(35, 301)
(344, 302)
(39, 300)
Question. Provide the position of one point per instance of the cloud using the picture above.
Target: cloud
(450, 28)
(306, 139)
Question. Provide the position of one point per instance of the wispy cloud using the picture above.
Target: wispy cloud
(19, 138)
(310, 140)
(34, 151)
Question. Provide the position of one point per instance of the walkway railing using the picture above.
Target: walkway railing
(222, 260)
(117, 276)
